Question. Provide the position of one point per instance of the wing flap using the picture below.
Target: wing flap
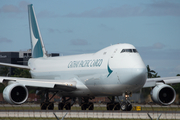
(151, 82)
(64, 85)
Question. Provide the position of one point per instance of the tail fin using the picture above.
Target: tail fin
(37, 46)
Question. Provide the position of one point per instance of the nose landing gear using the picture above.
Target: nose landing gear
(124, 106)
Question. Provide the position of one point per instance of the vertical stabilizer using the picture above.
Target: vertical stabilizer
(37, 46)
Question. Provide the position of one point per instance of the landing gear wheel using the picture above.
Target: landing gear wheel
(110, 106)
(91, 106)
(83, 106)
(47, 105)
(124, 106)
(60, 106)
(129, 107)
(116, 106)
(68, 106)
(43, 105)
(50, 106)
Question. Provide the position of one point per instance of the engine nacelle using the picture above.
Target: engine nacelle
(15, 94)
(163, 94)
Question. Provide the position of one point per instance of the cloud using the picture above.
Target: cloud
(155, 46)
(102, 12)
(158, 46)
(175, 70)
(46, 14)
(164, 61)
(78, 42)
(10, 9)
(53, 30)
(68, 31)
(91, 13)
(103, 26)
(79, 51)
(5, 40)
(22, 7)
(160, 8)
(159, 53)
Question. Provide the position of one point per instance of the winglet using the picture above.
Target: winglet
(37, 46)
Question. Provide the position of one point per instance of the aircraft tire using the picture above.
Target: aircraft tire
(50, 106)
(129, 107)
(110, 106)
(84, 106)
(68, 106)
(124, 106)
(117, 106)
(91, 106)
(44, 106)
(60, 106)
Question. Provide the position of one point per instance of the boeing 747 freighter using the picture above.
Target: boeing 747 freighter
(117, 70)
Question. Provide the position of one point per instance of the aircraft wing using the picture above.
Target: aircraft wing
(151, 82)
(64, 85)
(14, 65)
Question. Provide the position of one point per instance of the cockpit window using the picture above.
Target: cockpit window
(134, 50)
(129, 51)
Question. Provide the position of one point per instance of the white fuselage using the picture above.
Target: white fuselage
(108, 72)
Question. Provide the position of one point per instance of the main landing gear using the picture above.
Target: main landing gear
(85, 104)
(47, 104)
(65, 104)
(113, 105)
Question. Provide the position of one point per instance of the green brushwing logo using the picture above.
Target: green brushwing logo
(109, 69)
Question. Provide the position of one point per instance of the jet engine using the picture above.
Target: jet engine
(163, 94)
(15, 93)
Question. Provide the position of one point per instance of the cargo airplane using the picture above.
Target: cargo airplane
(117, 70)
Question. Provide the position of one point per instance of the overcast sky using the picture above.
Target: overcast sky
(86, 26)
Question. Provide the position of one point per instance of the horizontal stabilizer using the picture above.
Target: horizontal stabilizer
(15, 65)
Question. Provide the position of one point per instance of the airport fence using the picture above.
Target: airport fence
(141, 111)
